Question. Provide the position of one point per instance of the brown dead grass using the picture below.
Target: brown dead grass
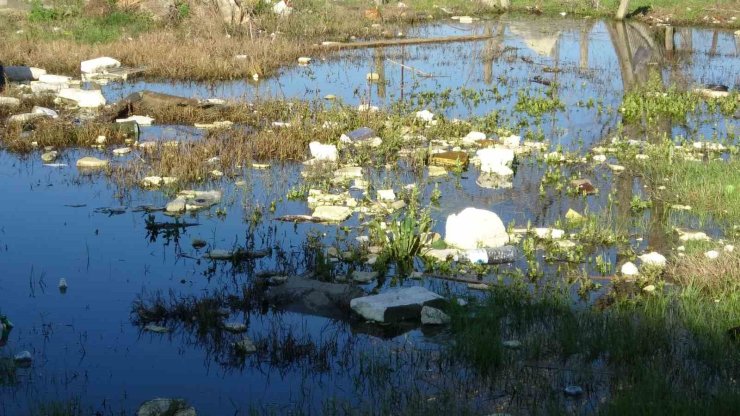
(58, 134)
(165, 54)
(712, 276)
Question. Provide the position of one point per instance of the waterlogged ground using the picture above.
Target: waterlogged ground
(85, 343)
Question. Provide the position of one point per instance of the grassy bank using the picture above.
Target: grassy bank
(57, 38)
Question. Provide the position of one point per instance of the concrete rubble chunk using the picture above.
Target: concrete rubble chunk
(83, 98)
(332, 213)
(653, 259)
(324, 152)
(46, 112)
(91, 162)
(629, 269)
(23, 117)
(475, 228)
(54, 79)
(155, 181)
(97, 65)
(546, 233)
(48, 157)
(358, 135)
(396, 305)
(496, 160)
(473, 137)
(386, 195)
(9, 102)
(140, 120)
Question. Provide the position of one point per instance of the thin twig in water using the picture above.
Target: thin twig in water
(418, 71)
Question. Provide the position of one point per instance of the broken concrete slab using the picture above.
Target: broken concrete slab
(83, 98)
(397, 304)
(332, 213)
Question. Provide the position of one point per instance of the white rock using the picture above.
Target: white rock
(9, 102)
(54, 79)
(367, 108)
(492, 159)
(23, 117)
(323, 151)
(386, 195)
(83, 98)
(472, 137)
(546, 233)
(91, 162)
(629, 269)
(38, 87)
(121, 151)
(372, 76)
(140, 120)
(600, 158)
(282, 9)
(466, 20)
(97, 65)
(396, 305)
(304, 60)
(47, 112)
(474, 228)
(332, 213)
(425, 115)
(712, 254)
(729, 248)
(433, 316)
(512, 141)
(653, 259)
(155, 181)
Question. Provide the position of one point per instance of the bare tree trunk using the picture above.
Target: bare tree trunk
(622, 10)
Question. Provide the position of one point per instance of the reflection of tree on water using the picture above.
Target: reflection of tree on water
(637, 48)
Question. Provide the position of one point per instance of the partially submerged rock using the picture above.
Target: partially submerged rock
(193, 201)
(90, 162)
(93, 66)
(332, 213)
(496, 160)
(397, 304)
(475, 228)
(323, 152)
(83, 98)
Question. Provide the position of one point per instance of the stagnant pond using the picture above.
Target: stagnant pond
(85, 342)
